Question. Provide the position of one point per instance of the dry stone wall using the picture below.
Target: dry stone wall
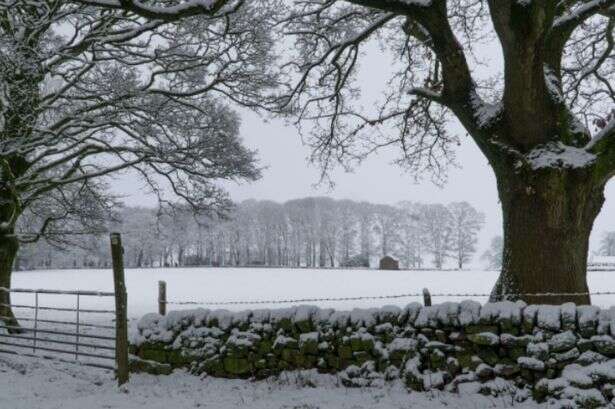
(551, 352)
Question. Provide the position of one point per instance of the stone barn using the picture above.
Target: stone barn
(389, 263)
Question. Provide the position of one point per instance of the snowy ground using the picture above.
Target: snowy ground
(39, 384)
(34, 384)
(232, 284)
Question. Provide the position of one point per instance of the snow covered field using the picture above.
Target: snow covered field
(233, 284)
(34, 384)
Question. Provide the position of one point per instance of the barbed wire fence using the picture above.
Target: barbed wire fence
(426, 296)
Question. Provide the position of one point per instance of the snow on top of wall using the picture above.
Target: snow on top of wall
(153, 327)
(559, 155)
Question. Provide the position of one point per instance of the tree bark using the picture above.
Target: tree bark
(8, 251)
(548, 218)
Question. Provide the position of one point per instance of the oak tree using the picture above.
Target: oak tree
(543, 124)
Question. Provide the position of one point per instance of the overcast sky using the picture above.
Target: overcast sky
(289, 176)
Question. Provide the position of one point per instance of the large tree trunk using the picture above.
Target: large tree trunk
(548, 217)
(8, 251)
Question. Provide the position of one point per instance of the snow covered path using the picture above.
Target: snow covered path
(34, 384)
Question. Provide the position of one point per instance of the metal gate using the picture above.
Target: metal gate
(80, 332)
(65, 338)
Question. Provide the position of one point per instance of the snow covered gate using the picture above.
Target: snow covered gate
(84, 327)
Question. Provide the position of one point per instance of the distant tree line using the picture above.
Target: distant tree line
(308, 232)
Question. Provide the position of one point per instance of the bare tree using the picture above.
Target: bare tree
(607, 244)
(466, 222)
(387, 220)
(532, 122)
(366, 222)
(411, 236)
(437, 232)
(347, 230)
(87, 92)
(494, 254)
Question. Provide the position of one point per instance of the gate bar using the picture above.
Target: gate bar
(57, 341)
(62, 351)
(55, 358)
(57, 292)
(49, 331)
(83, 324)
(30, 307)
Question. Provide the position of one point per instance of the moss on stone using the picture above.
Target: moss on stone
(585, 345)
(484, 339)
(476, 329)
(488, 355)
(345, 352)
(437, 359)
(178, 358)
(288, 354)
(237, 366)
(333, 361)
(464, 357)
(153, 353)
(304, 326)
(265, 346)
(213, 366)
(309, 346)
(361, 357)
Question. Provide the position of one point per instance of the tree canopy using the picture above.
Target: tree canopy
(90, 91)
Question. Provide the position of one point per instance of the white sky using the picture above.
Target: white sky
(288, 175)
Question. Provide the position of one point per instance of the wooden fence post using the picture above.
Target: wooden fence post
(162, 297)
(426, 297)
(121, 319)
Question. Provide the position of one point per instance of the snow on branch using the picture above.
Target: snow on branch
(426, 93)
(579, 14)
(163, 12)
(485, 113)
(86, 93)
(607, 132)
(559, 155)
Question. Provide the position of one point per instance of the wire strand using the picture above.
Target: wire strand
(383, 297)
